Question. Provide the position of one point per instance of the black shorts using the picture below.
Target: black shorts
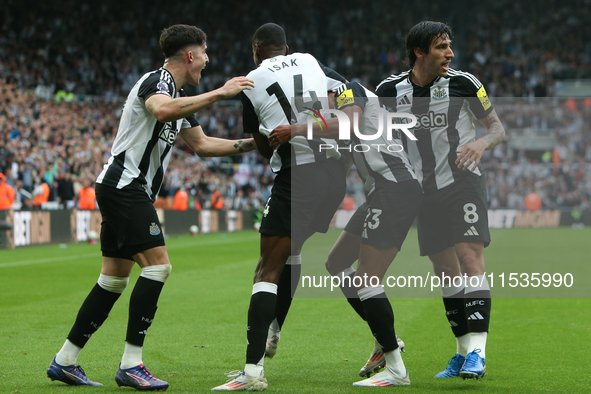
(304, 199)
(457, 213)
(355, 223)
(391, 209)
(130, 223)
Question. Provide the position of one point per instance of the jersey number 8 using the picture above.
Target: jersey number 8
(470, 215)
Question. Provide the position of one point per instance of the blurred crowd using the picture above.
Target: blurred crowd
(515, 48)
(560, 173)
(85, 57)
(65, 145)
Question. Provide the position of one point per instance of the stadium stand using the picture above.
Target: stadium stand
(65, 68)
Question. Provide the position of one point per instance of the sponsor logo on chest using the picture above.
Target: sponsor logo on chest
(168, 133)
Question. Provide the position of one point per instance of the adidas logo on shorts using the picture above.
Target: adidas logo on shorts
(471, 231)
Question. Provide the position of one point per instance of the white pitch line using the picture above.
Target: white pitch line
(52, 260)
(82, 256)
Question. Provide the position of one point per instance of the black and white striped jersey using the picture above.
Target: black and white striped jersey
(142, 147)
(446, 110)
(376, 158)
(287, 89)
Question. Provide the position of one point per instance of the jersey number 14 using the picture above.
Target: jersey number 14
(298, 89)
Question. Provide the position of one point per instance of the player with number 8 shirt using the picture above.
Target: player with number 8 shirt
(453, 222)
(376, 231)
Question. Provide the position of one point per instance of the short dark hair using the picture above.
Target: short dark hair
(177, 37)
(422, 35)
(270, 34)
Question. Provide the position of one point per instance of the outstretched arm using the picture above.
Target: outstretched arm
(284, 133)
(206, 146)
(471, 153)
(167, 109)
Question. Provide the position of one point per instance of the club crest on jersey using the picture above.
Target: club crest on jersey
(168, 134)
(163, 87)
(439, 93)
(154, 229)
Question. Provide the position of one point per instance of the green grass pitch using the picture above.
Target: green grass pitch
(536, 345)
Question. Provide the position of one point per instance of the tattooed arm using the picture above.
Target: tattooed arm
(495, 132)
(206, 146)
(167, 109)
(472, 152)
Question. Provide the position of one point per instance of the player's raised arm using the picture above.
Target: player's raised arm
(167, 109)
(206, 146)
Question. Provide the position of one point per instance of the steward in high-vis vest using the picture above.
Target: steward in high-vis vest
(87, 197)
(7, 194)
(181, 200)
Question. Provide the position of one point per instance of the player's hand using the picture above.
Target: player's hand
(470, 154)
(280, 135)
(235, 86)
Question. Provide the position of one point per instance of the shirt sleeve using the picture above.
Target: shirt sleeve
(250, 120)
(155, 84)
(475, 93)
(387, 94)
(350, 94)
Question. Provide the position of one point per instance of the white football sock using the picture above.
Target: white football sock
(394, 363)
(157, 272)
(68, 354)
(132, 356)
(463, 343)
(275, 326)
(295, 259)
(478, 341)
(253, 370)
(113, 284)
